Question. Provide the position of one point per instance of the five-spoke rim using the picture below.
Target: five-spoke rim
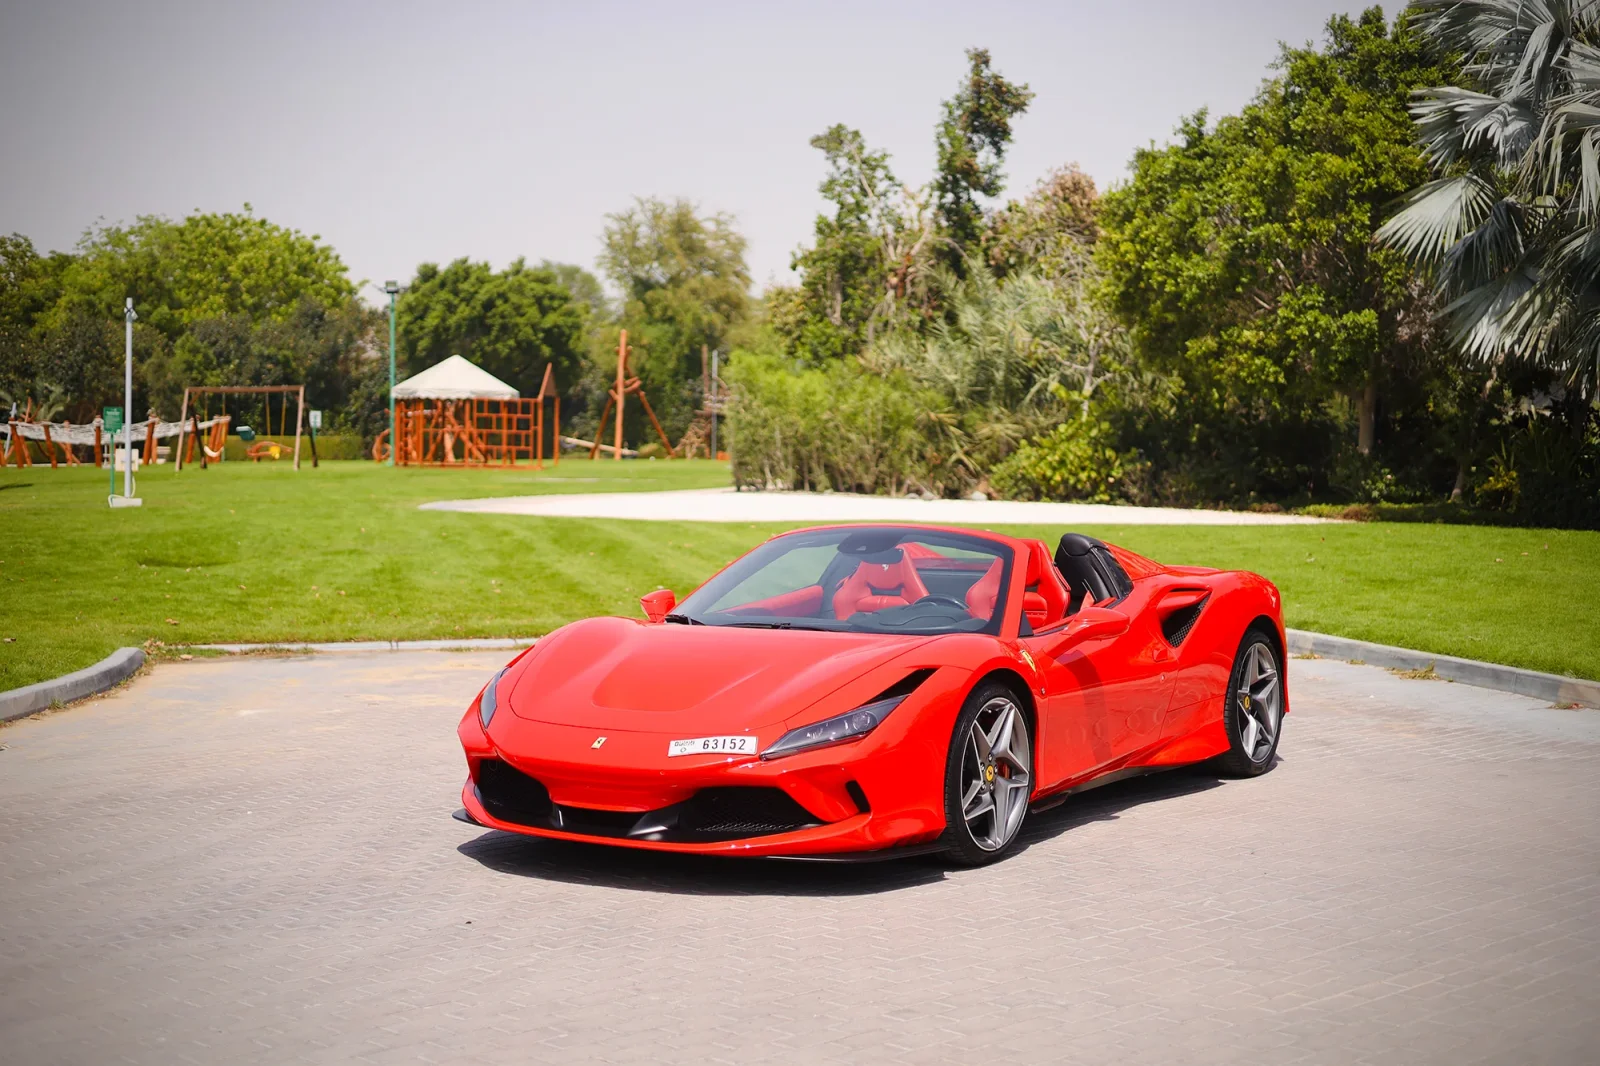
(1258, 702)
(996, 776)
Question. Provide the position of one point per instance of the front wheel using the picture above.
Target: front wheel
(988, 776)
(1253, 707)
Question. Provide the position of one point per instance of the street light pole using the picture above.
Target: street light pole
(393, 289)
(128, 315)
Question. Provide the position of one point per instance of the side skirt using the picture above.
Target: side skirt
(1056, 799)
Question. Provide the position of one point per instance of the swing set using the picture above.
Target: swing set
(211, 447)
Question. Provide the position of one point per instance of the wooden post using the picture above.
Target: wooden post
(555, 438)
(594, 450)
(183, 420)
(19, 448)
(97, 425)
(665, 443)
(622, 358)
(49, 445)
(299, 420)
(150, 441)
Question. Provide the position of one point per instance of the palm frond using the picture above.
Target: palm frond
(1437, 215)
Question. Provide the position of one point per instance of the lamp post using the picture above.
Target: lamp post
(127, 499)
(393, 289)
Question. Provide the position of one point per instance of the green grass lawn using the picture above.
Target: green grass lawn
(258, 553)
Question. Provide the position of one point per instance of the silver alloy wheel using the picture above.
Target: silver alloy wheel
(1259, 703)
(996, 774)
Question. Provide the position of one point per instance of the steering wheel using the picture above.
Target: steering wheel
(941, 601)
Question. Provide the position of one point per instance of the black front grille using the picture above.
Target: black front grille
(722, 813)
(743, 811)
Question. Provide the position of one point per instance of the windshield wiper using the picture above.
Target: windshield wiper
(683, 620)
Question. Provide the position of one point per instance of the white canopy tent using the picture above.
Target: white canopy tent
(454, 379)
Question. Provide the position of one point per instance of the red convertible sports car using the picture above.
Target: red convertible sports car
(877, 690)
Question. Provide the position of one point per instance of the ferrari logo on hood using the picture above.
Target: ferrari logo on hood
(597, 742)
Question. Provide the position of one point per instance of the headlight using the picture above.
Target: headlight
(857, 723)
(486, 702)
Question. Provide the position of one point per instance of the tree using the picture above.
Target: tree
(510, 322)
(205, 266)
(971, 145)
(584, 287)
(1242, 259)
(1511, 220)
(684, 284)
(1049, 229)
(326, 349)
(845, 273)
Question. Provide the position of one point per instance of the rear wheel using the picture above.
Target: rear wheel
(988, 776)
(1253, 707)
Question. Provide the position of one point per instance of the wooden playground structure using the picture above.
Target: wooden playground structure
(211, 448)
(702, 428)
(474, 431)
(58, 439)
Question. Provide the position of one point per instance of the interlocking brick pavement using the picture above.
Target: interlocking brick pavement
(253, 861)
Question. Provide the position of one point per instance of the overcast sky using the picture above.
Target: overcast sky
(403, 133)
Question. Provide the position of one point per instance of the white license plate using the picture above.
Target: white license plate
(745, 745)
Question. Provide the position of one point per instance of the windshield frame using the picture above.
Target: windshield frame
(693, 610)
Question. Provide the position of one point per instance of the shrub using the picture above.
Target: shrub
(1077, 460)
(834, 427)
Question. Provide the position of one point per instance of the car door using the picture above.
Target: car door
(1105, 699)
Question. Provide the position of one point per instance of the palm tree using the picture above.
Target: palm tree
(1510, 221)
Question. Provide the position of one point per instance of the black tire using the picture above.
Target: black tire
(1257, 698)
(988, 836)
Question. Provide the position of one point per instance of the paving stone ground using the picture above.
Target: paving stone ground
(252, 861)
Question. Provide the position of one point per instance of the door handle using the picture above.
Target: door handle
(1162, 654)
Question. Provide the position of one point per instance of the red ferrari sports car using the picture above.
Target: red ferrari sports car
(875, 690)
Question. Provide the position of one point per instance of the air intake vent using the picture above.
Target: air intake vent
(511, 795)
(905, 686)
(1176, 626)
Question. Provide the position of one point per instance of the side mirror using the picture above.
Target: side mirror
(658, 604)
(1096, 623)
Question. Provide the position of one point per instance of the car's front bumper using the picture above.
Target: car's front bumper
(881, 792)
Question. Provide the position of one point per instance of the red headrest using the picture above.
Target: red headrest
(875, 586)
(1049, 605)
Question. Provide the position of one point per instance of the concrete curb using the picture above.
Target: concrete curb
(124, 662)
(1552, 687)
(464, 644)
(107, 673)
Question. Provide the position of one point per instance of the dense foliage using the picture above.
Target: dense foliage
(512, 322)
(221, 299)
(684, 285)
(1225, 326)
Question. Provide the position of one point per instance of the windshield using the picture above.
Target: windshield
(860, 580)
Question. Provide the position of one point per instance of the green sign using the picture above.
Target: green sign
(112, 417)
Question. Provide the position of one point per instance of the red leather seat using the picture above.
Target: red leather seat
(875, 586)
(985, 591)
(1045, 602)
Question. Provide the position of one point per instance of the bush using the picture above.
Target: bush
(1077, 460)
(837, 427)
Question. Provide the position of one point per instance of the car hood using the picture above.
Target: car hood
(614, 673)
